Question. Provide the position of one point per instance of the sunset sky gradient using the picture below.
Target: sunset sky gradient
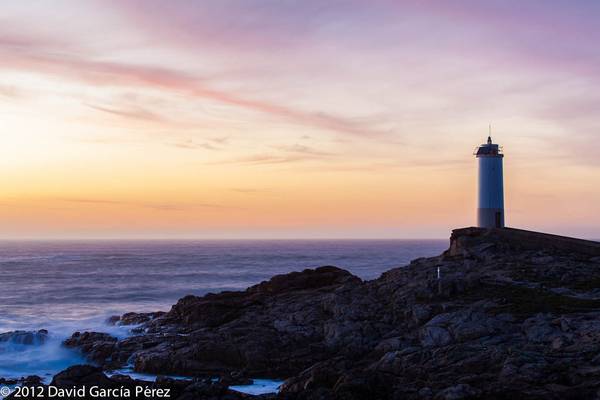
(294, 119)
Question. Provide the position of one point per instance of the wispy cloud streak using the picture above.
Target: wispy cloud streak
(152, 205)
(104, 73)
(10, 91)
(135, 113)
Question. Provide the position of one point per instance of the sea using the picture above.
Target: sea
(68, 286)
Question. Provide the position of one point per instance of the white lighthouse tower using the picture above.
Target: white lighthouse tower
(490, 210)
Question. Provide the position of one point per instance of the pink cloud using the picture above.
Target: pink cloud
(135, 113)
(34, 57)
(536, 34)
(242, 25)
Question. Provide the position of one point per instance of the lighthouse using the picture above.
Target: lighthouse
(490, 208)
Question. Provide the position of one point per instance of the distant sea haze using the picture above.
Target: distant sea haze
(69, 286)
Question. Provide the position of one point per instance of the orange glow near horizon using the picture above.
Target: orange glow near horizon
(356, 124)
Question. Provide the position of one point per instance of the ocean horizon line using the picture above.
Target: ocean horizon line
(213, 239)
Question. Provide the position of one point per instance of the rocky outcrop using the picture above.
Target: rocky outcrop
(24, 337)
(502, 314)
(133, 318)
(273, 329)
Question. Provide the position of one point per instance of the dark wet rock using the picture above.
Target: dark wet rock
(323, 375)
(235, 378)
(435, 336)
(458, 392)
(31, 380)
(98, 347)
(25, 337)
(513, 314)
(138, 318)
(205, 389)
(113, 319)
(81, 375)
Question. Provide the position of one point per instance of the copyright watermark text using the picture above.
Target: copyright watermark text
(81, 392)
(5, 391)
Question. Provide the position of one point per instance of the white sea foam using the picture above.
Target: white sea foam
(47, 357)
(42, 359)
(144, 377)
(259, 386)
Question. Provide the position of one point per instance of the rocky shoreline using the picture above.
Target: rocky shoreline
(501, 314)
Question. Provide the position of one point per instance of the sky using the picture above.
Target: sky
(294, 119)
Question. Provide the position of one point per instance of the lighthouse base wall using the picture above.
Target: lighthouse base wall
(490, 217)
